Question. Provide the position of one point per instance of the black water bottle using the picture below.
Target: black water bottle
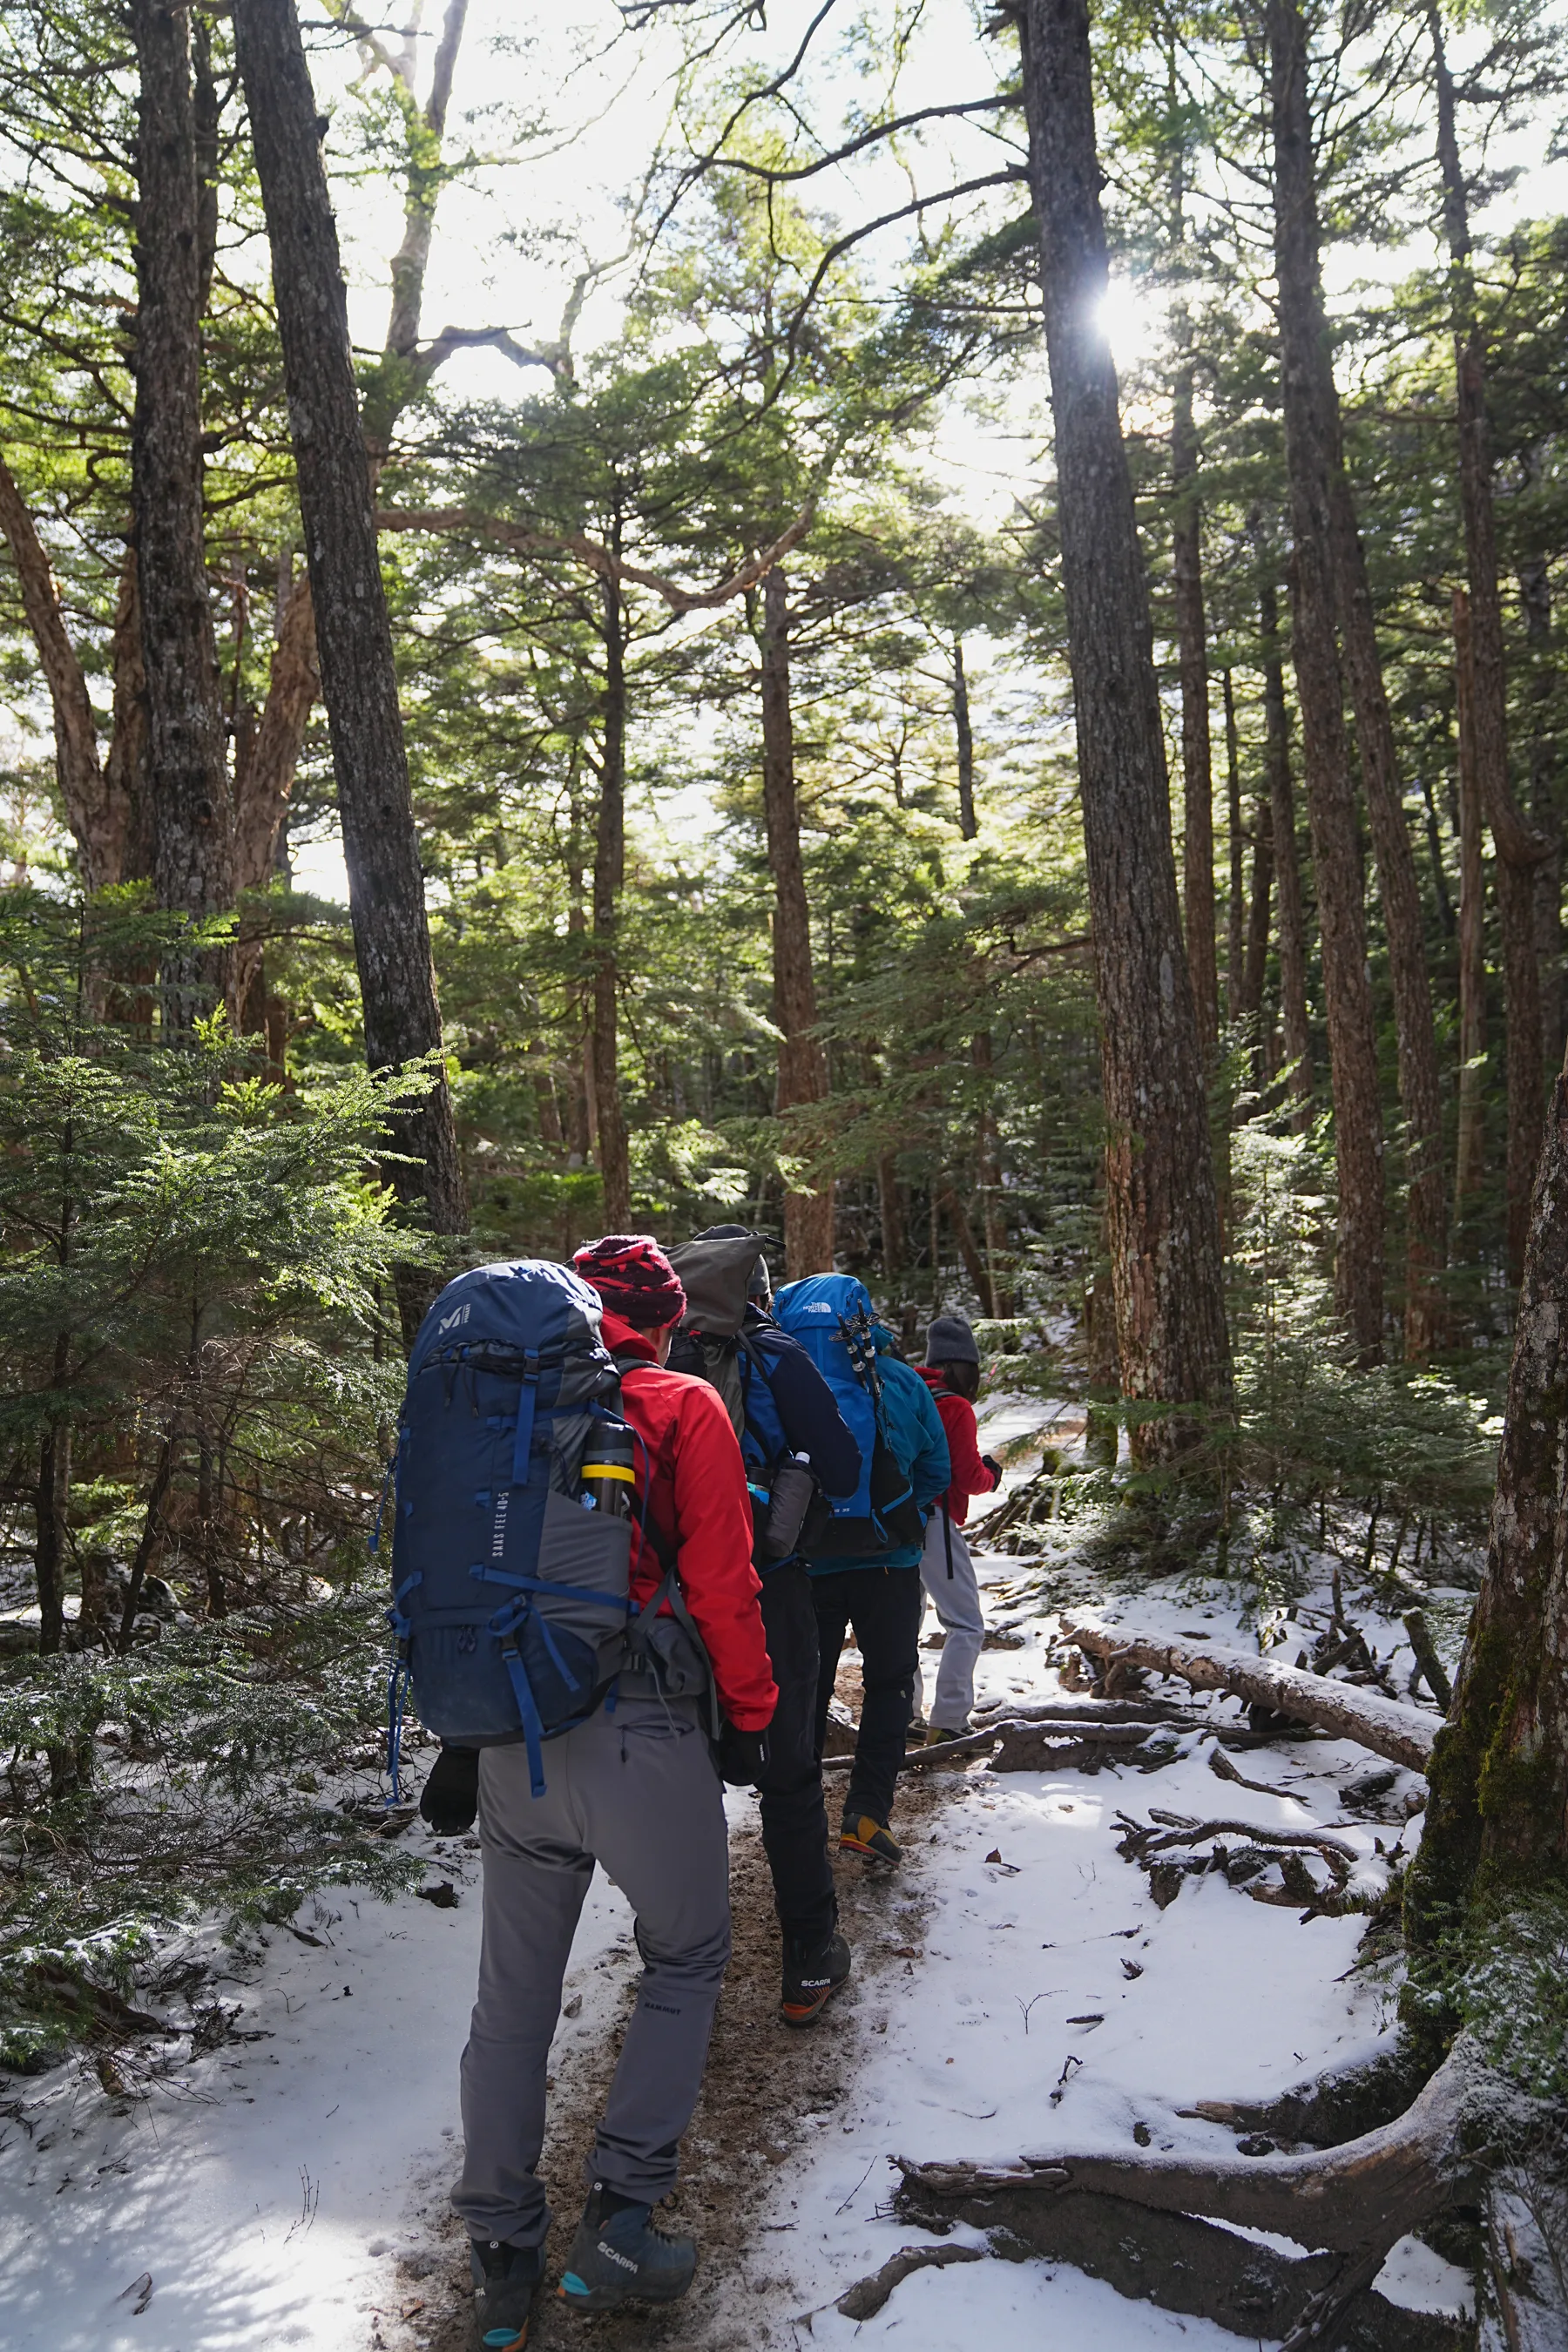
(607, 1477)
(793, 1489)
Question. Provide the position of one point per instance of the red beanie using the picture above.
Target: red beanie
(634, 1278)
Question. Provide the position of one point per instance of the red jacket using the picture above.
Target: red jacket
(970, 1476)
(699, 1502)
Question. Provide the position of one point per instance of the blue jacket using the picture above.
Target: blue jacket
(790, 1409)
(917, 1441)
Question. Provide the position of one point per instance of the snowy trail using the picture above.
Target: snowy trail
(290, 2190)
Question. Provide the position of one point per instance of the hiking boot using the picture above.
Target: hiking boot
(863, 1835)
(507, 2279)
(619, 2255)
(812, 1975)
(936, 1737)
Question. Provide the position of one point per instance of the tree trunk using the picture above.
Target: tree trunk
(1193, 670)
(1102, 1432)
(1341, 924)
(51, 1546)
(1162, 1201)
(1535, 596)
(890, 1214)
(1293, 922)
(1498, 1822)
(1425, 1221)
(187, 756)
(261, 805)
(802, 1065)
(1234, 914)
(125, 774)
(609, 873)
(96, 824)
(1471, 1142)
(1403, 923)
(353, 636)
(1519, 850)
(969, 1251)
(1256, 963)
(968, 823)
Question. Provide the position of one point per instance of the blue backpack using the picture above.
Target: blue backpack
(511, 1614)
(831, 1315)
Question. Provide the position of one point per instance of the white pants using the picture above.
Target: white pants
(957, 1600)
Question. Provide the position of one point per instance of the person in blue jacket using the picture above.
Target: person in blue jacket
(790, 1409)
(875, 1591)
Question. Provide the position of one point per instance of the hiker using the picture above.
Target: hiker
(787, 1420)
(865, 1562)
(952, 1372)
(632, 1787)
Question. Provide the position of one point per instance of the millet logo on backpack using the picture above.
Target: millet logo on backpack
(451, 1322)
(497, 1529)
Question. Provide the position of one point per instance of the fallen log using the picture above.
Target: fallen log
(1389, 1728)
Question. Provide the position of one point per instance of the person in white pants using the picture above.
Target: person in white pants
(952, 1372)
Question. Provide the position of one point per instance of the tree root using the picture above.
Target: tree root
(1343, 2199)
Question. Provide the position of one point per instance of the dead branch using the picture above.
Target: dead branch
(865, 2299)
(1404, 1734)
(1073, 1729)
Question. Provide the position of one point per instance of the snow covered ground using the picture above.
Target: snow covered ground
(1028, 1995)
(254, 2198)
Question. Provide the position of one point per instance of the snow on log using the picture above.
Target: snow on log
(1404, 1734)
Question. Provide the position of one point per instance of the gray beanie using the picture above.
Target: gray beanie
(951, 1340)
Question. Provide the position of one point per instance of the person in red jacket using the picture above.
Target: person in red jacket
(633, 1788)
(952, 1372)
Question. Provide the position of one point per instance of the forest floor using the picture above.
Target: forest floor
(288, 2186)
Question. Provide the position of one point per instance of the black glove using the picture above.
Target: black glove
(989, 1462)
(742, 1757)
(450, 1797)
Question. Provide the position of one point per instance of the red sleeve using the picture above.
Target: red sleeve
(970, 1476)
(713, 1535)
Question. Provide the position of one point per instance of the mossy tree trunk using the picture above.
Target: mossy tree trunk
(1497, 1823)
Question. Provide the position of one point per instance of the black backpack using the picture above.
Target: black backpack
(710, 1338)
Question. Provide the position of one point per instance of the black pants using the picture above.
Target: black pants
(884, 1606)
(794, 1816)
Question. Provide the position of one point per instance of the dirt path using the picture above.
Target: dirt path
(763, 2084)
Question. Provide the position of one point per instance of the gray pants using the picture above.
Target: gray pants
(957, 1604)
(637, 1791)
